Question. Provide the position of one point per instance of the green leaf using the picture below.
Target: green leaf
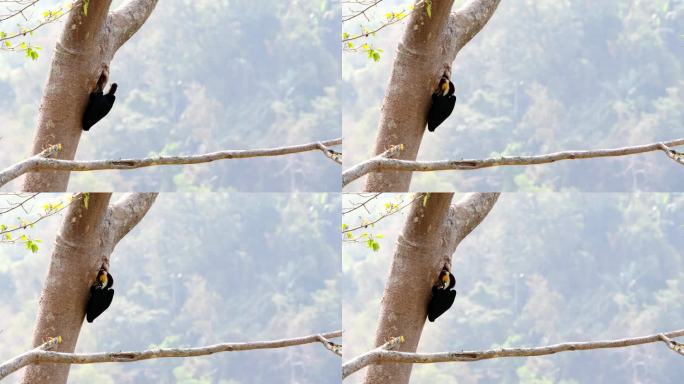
(372, 244)
(32, 246)
(428, 8)
(32, 53)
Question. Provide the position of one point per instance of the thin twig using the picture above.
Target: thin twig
(390, 213)
(330, 154)
(18, 205)
(39, 356)
(42, 161)
(50, 212)
(363, 204)
(39, 25)
(374, 31)
(361, 12)
(672, 154)
(18, 11)
(378, 356)
(673, 345)
(329, 345)
(382, 163)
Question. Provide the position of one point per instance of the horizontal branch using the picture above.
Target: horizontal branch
(41, 356)
(381, 163)
(378, 356)
(13, 171)
(18, 362)
(42, 161)
(361, 361)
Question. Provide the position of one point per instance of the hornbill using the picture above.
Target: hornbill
(442, 294)
(101, 295)
(99, 104)
(443, 101)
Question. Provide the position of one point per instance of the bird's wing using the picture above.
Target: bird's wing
(99, 301)
(440, 302)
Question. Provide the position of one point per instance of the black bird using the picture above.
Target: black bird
(442, 294)
(443, 101)
(101, 295)
(99, 105)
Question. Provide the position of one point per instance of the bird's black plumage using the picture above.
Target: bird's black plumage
(443, 102)
(443, 295)
(99, 106)
(101, 295)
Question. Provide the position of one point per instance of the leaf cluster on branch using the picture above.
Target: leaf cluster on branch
(25, 10)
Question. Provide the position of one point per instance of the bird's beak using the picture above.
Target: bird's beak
(445, 88)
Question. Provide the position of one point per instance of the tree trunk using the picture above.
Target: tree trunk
(85, 242)
(87, 46)
(428, 47)
(430, 236)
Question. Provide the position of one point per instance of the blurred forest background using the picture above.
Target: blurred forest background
(543, 76)
(199, 269)
(201, 76)
(541, 269)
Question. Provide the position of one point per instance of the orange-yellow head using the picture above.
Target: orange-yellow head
(444, 84)
(102, 277)
(444, 278)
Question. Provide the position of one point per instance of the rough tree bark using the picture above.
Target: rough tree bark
(428, 47)
(430, 236)
(85, 242)
(86, 47)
